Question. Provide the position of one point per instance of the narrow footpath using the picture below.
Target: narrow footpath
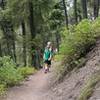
(35, 88)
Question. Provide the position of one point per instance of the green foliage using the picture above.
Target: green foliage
(96, 27)
(82, 29)
(76, 43)
(56, 18)
(2, 89)
(9, 75)
(58, 57)
(17, 11)
(26, 71)
(13, 15)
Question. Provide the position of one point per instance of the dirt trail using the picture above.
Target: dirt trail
(34, 89)
(38, 87)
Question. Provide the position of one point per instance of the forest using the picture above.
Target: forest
(27, 25)
(73, 27)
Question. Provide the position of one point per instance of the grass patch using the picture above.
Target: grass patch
(26, 71)
(2, 89)
(89, 87)
(58, 57)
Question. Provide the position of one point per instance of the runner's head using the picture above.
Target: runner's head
(48, 44)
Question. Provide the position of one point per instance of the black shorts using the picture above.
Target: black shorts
(47, 62)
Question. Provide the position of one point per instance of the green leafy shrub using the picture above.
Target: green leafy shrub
(96, 27)
(2, 89)
(25, 71)
(9, 75)
(76, 43)
(58, 57)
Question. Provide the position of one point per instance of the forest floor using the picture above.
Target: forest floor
(41, 87)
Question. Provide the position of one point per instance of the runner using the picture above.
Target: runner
(47, 57)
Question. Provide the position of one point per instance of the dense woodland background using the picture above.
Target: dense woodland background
(73, 26)
(27, 25)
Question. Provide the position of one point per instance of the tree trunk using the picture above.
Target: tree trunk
(0, 51)
(66, 15)
(79, 15)
(13, 44)
(24, 43)
(5, 32)
(32, 30)
(96, 8)
(3, 4)
(84, 8)
(8, 32)
(75, 11)
(14, 50)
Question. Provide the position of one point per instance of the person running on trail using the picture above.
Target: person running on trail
(47, 57)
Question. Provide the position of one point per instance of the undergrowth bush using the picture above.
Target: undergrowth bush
(10, 75)
(58, 57)
(2, 89)
(76, 43)
(25, 71)
(96, 27)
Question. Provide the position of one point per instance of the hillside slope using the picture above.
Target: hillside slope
(72, 85)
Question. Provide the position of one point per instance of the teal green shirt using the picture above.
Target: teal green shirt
(47, 54)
